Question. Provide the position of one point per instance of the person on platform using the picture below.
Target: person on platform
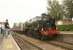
(7, 27)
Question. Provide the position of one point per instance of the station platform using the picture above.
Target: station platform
(8, 43)
(66, 32)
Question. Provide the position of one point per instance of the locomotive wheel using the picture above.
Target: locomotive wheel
(43, 37)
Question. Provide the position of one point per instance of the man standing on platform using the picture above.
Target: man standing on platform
(7, 27)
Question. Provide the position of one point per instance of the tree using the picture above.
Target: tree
(68, 4)
(55, 9)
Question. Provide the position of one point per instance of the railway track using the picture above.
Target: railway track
(59, 43)
(63, 44)
(25, 45)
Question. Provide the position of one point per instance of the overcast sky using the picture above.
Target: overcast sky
(21, 10)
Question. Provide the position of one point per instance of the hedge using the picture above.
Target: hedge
(65, 27)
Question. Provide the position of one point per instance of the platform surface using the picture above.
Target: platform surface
(8, 43)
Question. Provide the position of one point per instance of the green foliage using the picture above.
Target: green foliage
(55, 9)
(65, 27)
(68, 4)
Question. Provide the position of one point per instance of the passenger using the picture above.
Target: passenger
(2, 29)
(7, 27)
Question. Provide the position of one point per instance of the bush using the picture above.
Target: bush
(65, 27)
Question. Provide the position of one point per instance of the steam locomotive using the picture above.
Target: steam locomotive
(42, 29)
